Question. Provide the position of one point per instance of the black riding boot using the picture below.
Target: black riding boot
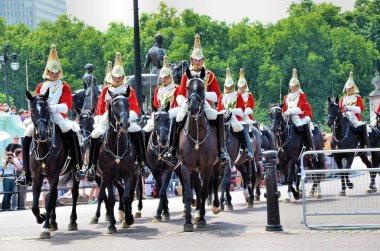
(74, 148)
(309, 139)
(224, 157)
(247, 142)
(25, 178)
(138, 141)
(170, 155)
(365, 138)
(146, 138)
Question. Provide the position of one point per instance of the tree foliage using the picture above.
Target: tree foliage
(320, 40)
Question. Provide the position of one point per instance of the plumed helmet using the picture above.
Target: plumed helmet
(294, 80)
(165, 70)
(242, 81)
(228, 81)
(108, 77)
(53, 63)
(350, 83)
(197, 51)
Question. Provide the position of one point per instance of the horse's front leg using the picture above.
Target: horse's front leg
(187, 196)
(128, 199)
(111, 199)
(203, 193)
(51, 201)
(163, 197)
(225, 186)
(75, 194)
(36, 187)
(157, 176)
(349, 184)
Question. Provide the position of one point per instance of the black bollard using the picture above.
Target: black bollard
(272, 194)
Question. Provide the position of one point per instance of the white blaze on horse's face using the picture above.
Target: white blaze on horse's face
(195, 86)
(38, 106)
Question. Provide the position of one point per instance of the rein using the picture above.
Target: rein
(117, 157)
(196, 140)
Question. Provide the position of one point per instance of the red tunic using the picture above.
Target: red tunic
(66, 97)
(173, 103)
(212, 84)
(302, 104)
(250, 104)
(239, 104)
(102, 105)
(359, 102)
(378, 109)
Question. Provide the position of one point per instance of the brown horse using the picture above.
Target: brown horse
(197, 148)
(117, 154)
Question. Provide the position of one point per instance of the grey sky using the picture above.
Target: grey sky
(99, 13)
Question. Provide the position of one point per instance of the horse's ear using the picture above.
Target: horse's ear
(329, 100)
(29, 96)
(167, 107)
(188, 73)
(46, 94)
(203, 73)
(337, 99)
(93, 110)
(281, 105)
(77, 110)
(128, 92)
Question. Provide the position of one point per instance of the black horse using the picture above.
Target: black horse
(157, 146)
(344, 137)
(197, 148)
(117, 155)
(48, 159)
(290, 143)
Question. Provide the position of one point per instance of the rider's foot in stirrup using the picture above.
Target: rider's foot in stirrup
(22, 180)
(170, 158)
(145, 171)
(80, 175)
(225, 159)
(90, 173)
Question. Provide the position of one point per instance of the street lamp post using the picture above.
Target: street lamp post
(5, 61)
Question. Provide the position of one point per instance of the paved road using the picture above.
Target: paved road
(241, 229)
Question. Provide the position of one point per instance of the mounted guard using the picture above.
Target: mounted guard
(212, 93)
(118, 86)
(249, 101)
(233, 101)
(298, 109)
(352, 104)
(60, 102)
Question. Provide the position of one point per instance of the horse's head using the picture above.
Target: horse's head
(86, 121)
(119, 110)
(40, 114)
(144, 119)
(333, 111)
(177, 70)
(275, 114)
(195, 92)
(161, 125)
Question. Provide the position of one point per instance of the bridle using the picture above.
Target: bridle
(337, 121)
(278, 124)
(156, 148)
(116, 127)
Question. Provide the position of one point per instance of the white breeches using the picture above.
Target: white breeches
(103, 126)
(211, 114)
(300, 122)
(64, 124)
(355, 122)
(236, 124)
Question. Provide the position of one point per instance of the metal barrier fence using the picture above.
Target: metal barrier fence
(324, 207)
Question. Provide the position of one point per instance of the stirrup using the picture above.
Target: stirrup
(224, 158)
(80, 175)
(145, 171)
(90, 173)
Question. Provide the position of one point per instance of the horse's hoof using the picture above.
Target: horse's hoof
(222, 208)
(249, 204)
(193, 203)
(287, 200)
(94, 220)
(318, 196)
(215, 210)
(195, 220)
(121, 215)
(342, 193)
(107, 217)
(73, 227)
(124, 224)
(298, 196)
(229, 208)
(165, 217)
(311, 193)
(184, 213)
(157, 219)
(256, 198)
(350, 185)
(188, 228)
(130, 220)
(138, 215)
(112, 230)
(201, 224)
(371, 190)
(45, 234)
(42, 218)
(53, 227)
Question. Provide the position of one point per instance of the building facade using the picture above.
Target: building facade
(31, 12)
